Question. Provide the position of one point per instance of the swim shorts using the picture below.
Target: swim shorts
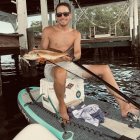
(72, 69)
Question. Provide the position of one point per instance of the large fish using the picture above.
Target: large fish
(48, 55)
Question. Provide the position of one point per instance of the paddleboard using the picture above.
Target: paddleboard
(34, 132)
(114, 127)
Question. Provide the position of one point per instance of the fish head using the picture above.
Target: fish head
(31, 56)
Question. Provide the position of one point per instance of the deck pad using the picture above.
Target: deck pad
(121, 128)
(113, 128)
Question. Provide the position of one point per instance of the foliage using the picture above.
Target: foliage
(106, 16)
(37, 26)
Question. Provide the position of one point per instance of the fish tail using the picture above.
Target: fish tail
(25, 60)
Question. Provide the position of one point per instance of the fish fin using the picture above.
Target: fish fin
(25, 60)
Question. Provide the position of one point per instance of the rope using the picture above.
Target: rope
(121, 14)
(84, 13)
(57, 113)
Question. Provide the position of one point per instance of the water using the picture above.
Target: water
(12, 121)
(127, 79)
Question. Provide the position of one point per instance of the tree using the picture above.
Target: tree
(37, 26)
(105, 17)
(112, 18)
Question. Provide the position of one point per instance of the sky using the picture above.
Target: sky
(6, 27)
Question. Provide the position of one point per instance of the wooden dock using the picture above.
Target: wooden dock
(112, 41)
(9, 44)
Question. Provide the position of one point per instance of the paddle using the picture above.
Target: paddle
(110, 86)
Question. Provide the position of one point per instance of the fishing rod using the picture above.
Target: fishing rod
(108, 85)
(103, 81)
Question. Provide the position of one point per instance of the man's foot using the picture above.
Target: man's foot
(129, 108)
(63, 113)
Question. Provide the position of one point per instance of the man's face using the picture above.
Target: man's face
(63, 15)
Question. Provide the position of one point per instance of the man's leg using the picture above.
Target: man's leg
(60, 75)
(105, 72)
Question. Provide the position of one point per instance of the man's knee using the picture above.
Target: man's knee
(106, 68)
(59, 73)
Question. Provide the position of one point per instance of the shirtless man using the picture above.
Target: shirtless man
(62, 37)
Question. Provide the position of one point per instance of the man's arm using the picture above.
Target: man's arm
(44, 43)
(77, 46)
(45, 38)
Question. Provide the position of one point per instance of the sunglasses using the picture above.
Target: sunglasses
(64, 14)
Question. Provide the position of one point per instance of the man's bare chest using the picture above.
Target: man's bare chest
(62, 39)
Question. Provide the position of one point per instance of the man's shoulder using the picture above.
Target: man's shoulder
(48, 28)
(47, 31)
(75, 31)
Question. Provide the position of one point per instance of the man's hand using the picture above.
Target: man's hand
(61, 59)
(41, 60)
(66, 58)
